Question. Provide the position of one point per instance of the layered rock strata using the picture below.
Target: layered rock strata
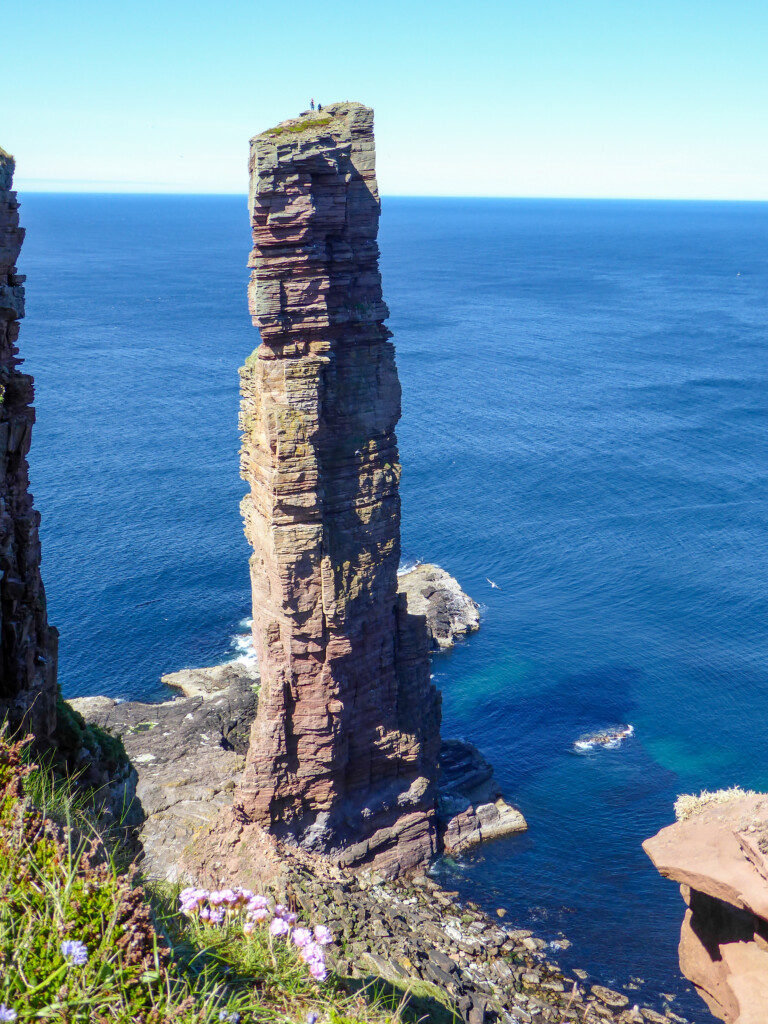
(28, 645)
(344, 750)
(471, 806)
(719, 855)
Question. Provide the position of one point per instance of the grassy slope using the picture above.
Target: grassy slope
(146, 962)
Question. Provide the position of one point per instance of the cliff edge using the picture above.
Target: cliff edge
(718, 852)
(28, 645)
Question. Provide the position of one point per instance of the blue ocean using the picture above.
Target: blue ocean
(584, 424)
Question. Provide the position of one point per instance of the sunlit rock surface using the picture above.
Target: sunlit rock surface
(344, 750)
(719, 855)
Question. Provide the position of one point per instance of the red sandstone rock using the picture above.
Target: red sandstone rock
(28, 645)
(344, 750)
(719, 857)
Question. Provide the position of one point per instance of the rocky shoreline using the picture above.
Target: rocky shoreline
(189, 752)
(189, 755)
(411, 932)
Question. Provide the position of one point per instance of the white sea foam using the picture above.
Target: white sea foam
(604, 739)
(242, 644)
(407, 564)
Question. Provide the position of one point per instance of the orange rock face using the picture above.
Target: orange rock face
(720, 857)
(28, 646)
(343, 753)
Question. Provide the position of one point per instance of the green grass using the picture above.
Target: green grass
(147, 963)
(302, 126)
(73, 733)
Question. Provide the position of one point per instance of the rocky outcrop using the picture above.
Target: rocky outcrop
(449, 961)
(212, 682)
(471, 807)
(719, 855)
(189, 755)
(28, 645)
(344, 749)
(433, 593)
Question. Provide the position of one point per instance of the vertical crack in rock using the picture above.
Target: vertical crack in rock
(28, 645)
(343, 753)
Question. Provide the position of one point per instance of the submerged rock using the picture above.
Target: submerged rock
(432, 592)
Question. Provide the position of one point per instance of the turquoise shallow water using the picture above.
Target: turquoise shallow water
(584, 422)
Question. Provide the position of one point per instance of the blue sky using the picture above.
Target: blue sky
(497, 97)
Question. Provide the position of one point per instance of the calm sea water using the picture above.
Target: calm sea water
(584, 423)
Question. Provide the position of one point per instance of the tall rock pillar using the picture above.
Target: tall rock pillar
(28, 645)
(343, 752)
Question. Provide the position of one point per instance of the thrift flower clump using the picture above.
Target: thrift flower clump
(6, 1013)
(249, 910)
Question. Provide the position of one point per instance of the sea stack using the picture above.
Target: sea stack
(344, 749)
(28, 645)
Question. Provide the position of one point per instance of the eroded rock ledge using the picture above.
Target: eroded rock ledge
(471, 808)
(719, 855)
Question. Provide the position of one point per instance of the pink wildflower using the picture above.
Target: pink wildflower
(318, 971)
(279, 927)
(323, 935)
(314, 956)
(301, 936)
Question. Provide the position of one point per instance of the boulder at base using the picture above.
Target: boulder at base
(432, 592)
(471, 808)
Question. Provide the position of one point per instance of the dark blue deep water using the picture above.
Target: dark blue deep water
(584, 422)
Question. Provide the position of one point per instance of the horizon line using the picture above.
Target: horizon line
(397, 195)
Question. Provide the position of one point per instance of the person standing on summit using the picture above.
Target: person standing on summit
(312, 103)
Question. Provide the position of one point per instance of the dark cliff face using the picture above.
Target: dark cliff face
(343, 754)
(27, 643)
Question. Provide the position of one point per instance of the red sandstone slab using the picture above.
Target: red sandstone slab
(705, 853)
